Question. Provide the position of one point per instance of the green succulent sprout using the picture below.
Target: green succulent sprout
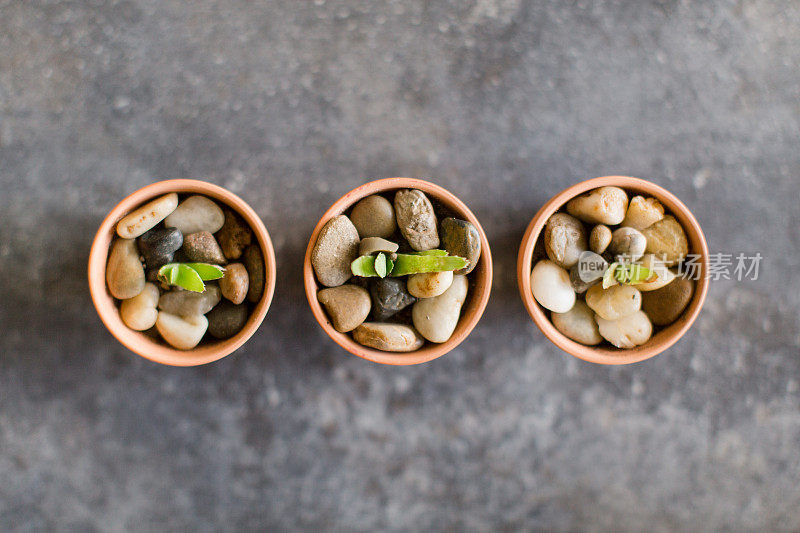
(189, 276)
(626, 274)
(414, 263)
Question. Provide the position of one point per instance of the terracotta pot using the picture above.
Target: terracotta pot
(480, 285)
(155, 349)
(664, 338)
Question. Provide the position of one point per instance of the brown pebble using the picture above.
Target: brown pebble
(666, 304)
(234, 236)
(202, 247)
(235, 283)
(254, 262)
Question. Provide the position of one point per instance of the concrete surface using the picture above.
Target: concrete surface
(292, 104)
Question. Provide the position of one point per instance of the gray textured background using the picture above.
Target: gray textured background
(291, 104)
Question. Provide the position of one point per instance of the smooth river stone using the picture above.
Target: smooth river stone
(196, 213)
(254, 263)
(347, 306)
(578, 324)
(124, 272)
(202, 247)
(587, 271)
(372, 245)
(416, 219)
(388, 337)
(235, 283)
(335, 249)
(188, 303)
(147, 216)
(643, 212)
(626, 332)
(564, 239)
(373, 216)
(666, 304)
(667, 240)
(158, 245)
(551, 287)
(227, 319)
(627, 244)
(429, 284)
(599, 238)
(389, 296)
(657, 267)
(615, 302)
(436, 318)
(234, 236)
(183, 333)
(604, 205)
(139, 313)
(461, 238)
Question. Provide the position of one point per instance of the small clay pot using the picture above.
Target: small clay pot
(155, 349)
(664, 338)
(480, 277)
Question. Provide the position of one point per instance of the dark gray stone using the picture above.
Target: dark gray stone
(389, 295)
(227, 319)
(158, 246)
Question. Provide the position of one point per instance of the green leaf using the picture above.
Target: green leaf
(364, 266)
(415, 264)
(207, 271)
(389, 266)
(380, 265)
(609, 278)
(181, 275)
(435, 253)
(638, 274)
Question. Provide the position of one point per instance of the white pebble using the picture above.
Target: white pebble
(627, 332)
(551, 287)
(436, 318)
(183, 333)
(429, 284)
(147, 216)
(139, 313)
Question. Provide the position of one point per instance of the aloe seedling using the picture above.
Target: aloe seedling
(404, 264)
(189, 276)
(626, 274)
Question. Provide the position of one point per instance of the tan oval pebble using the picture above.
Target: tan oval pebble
(335, 249)
(256, 269)
(372, 245)
(604, 205)
(663, 275)
(140, 313)
(436, 318)
(578, 324)
(194, 214)
(373, 216)
(627, 332)
(627, 244)
(416, 219)
(614, 302)
(388, 337)
(347, 305)
(429, 284)
(667, 240)
(643, 212)
(235, 283)
(551, 287)
(564, 239)
(666, 304)
(147, 216)
(124, 272)
(183, 333)
(599, 238)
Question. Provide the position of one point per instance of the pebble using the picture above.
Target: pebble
(373, 216)
(147, 216)
(227, 319)
(335, 249)
(587, 271)
(551, 287)
(604, 205)
(666, 304)
(461, 238)
(665, 275)
(234, 283)
(436, 318)
(256, 270)
(578, 324)
(429, 284)
(627, 244)
(389, 296)
(614, 302)
(124, 271)
(388, 337)
(347, 306)
(667, 240)
(416, 219)
(643, 212)
(159, 245)
(202, 247)
(234, 236)
(564, 239)
(183, 333)
(188, 303)
(373, 245)
(139, 313)
(194, 214)
(599, 238)
(627, 332)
